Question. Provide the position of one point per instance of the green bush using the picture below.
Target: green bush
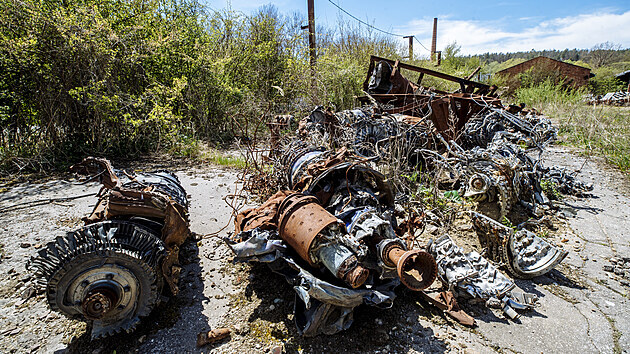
(548, 92)
(605, 81)
(132, 77)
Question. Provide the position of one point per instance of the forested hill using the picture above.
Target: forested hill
(564, 54)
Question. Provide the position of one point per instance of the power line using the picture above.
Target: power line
(363, 22)
(372, 27)
(414, 37)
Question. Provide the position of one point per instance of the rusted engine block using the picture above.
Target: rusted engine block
(112, 271)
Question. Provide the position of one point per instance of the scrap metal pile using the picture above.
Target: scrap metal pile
(346, 224)
(111, 271)
(620, 98)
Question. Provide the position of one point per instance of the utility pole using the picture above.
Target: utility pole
(434, 40)
(311, 32)
(410, 47)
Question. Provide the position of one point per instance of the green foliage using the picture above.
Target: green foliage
(423, 190)
(340, 78)
(130, 77)
(605, 81)
(100, 77)
(597, 130)
(551, 189)
(508, 223)
(546, 92)
(343, 61)
(452, 196)
(570, 55)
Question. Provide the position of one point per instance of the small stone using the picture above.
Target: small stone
(625, 282)
(241, 328)
(379, 321)
(381, 336)
(609, 268)
(28, 292)
(614, 260)
(619, 271)
(142, 339)
(276, 350)
(277, 301)
(272, 307)
(25, 245)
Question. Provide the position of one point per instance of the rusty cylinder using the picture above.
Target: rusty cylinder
(416, 269)
(302, 223)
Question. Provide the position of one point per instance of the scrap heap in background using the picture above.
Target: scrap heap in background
(357, 191)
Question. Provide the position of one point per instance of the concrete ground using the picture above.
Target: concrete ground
(583, 307)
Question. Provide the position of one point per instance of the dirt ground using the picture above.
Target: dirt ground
(584, 306)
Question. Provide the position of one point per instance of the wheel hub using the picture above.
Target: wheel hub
(101, 292)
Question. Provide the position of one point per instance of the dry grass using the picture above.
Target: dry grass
(599, 130)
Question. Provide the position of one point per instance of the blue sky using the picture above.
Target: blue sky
(477, 26)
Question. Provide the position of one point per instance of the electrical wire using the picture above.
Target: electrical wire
(372, 27)
(417, 40)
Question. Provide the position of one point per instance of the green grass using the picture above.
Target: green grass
(599, 130)
(222, 159)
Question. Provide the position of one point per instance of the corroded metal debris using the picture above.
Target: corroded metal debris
(213, 336)
(111, 271)
(334, 237)
(359, 189)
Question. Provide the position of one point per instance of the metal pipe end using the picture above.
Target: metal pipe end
(357, 276)
(417, 269)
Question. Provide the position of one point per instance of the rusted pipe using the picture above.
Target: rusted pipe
(352, 272)
(301, 220)
(212, 336)
(302, 224)
(416, 269)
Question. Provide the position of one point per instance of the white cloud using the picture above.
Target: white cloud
(581, 31)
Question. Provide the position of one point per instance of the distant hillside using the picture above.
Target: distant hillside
(566, 54)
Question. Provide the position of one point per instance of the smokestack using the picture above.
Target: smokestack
(434, 39)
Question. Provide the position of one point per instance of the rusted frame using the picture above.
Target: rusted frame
(465, 84)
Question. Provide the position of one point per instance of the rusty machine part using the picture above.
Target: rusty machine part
(112, 271)
(301, 219)
(301, 222)
(445, 301)
(353, 171)
(416, 269)
(209, 337)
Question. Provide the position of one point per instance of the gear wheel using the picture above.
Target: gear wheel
(105, 272)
